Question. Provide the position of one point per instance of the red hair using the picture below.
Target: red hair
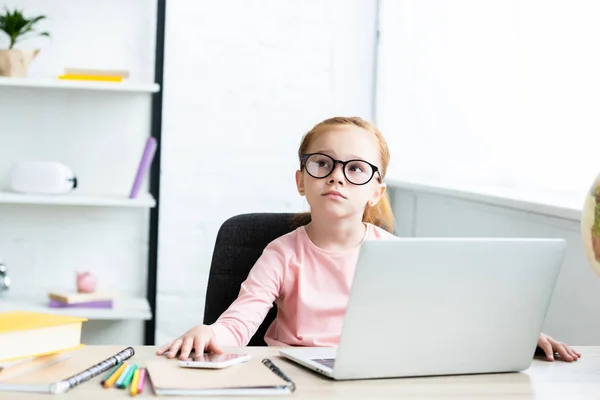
(381, 213)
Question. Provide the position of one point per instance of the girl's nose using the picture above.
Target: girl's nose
(337, 175)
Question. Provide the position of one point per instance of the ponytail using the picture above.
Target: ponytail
(381, 214)
(302, 218)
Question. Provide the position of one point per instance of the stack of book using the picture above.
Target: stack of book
(102, 75)
(26, 335)
(44, 353)
(81, 300)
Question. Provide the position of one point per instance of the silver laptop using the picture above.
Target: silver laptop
(442, 306)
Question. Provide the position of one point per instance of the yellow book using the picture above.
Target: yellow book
(30, 334)
(101, 78)
(97, 71)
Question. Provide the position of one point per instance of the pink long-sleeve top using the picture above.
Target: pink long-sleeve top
(310, 286)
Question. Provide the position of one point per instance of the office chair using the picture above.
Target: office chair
(240, 242)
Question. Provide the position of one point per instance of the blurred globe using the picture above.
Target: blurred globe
(590, 225)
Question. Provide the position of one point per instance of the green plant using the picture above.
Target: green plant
(18, 28)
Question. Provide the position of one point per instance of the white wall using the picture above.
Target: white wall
(100, 135)
(110, 34)
(244, 80)
(573, 316)
(499, 91)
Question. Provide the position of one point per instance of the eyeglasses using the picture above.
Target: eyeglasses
(357, 172)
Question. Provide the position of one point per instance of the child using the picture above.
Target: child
(308, 272)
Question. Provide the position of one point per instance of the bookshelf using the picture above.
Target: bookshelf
(47, 83)
(99, 130)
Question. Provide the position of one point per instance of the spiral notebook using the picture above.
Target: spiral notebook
(60, 372)
(255, 377)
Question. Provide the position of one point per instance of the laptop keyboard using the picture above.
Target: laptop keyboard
(328, 362)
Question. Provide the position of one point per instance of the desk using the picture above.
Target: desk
(543, 380)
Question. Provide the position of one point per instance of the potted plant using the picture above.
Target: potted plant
(15, 62)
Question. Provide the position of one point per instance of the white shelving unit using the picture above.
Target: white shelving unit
(48, 83)
(99, 129)
(115, 124)
(143, 201)
(126, 308)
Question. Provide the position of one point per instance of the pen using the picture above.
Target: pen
(142, 380)
(85, 375)
(116, 375)
(135, 382)
(112, 371)
(128, 378)
(280, 373)
(122, 377)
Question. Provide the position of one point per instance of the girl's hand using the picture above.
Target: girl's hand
(201, 338)
(551, 346)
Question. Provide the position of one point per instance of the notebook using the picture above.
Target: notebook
(58, 373)
(254, 377)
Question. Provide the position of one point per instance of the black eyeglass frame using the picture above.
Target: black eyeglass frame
(305, 157)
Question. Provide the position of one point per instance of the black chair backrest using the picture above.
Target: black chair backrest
(240, 242)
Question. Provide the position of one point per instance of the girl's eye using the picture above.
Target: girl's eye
(358, 168)
(321, 162)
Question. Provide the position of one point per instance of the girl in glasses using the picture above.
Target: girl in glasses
(308, 272)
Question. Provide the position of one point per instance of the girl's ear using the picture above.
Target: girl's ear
(300, 182)
(377, 194)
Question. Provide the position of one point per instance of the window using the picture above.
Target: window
(503, 92)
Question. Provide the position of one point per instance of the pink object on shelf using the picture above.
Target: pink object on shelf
(86, 282)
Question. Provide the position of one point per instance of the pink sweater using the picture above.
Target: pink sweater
(309, 285)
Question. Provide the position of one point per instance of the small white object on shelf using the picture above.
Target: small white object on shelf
(42, 177)
(49, 83)
(142, 201)
(124, 308)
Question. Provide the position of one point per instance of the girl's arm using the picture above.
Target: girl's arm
(237, 325)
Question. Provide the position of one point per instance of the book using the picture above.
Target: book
(63, 371)
(254, 377)
(76, 297)
(144, 166)
(27, 363)
(6, 365)
(27, 334)
(99, 78)
(97, 72)
(86, 304)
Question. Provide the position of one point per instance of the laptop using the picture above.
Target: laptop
(442, 306)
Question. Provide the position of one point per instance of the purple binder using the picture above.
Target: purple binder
(144, 166)
(89, 304)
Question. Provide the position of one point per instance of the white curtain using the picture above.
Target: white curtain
(502, 92)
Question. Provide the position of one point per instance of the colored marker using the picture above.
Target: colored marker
(112, 371)
(142, 380)
(124, 374)
(128, 378)
(135, 382)
(113, 378)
